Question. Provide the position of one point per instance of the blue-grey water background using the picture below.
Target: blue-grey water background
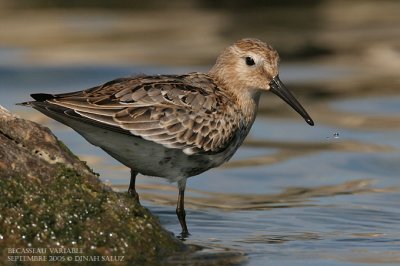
(292, 194)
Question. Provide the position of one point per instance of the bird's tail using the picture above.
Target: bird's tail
(39, 97)
(24, 104)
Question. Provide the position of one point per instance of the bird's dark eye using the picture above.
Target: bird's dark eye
(249, 61)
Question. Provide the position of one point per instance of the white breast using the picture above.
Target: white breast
(150, 158)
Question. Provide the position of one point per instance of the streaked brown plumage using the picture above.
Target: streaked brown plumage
(185, 112)
(175, 126)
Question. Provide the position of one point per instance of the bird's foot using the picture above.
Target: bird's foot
(134, 195)
(184, 235)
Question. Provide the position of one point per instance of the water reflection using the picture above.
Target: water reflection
(290, 150)
(280, 239)
(213, 255)
(289, 198)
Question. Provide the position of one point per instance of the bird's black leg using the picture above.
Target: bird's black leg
(132, 190)
(180, 208)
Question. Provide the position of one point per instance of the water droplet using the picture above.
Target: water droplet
(101, 233)
(73, 242)
(92, 247)
(111, 234)
(57, 243)
(29, 244)
(1, 237)
(336, 135)
(23, 237)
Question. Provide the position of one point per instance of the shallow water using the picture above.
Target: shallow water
(292, 195)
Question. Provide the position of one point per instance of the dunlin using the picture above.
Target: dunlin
(175, 126)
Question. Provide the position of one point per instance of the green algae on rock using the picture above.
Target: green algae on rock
(50, 199)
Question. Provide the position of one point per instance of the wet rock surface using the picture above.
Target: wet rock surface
(51, 199)
(31, 150)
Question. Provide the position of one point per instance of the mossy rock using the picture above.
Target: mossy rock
(50, 199)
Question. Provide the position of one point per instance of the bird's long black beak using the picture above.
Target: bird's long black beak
(277, 87)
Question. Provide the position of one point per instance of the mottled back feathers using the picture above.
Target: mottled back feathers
(188, 112)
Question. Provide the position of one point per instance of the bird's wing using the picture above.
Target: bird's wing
(186, 112)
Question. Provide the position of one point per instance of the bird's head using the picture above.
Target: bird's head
(250, 65)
